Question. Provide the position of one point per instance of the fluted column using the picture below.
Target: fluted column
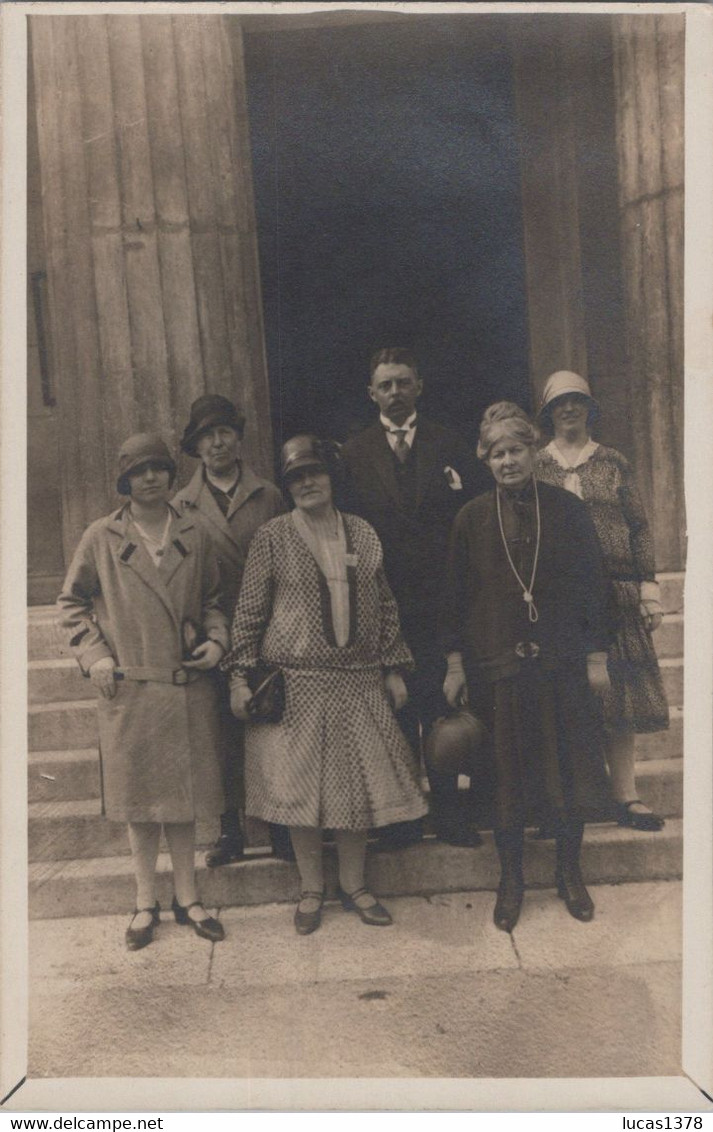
(648, 63)
(149, 227)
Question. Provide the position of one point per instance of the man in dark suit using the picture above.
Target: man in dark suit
(408, 477)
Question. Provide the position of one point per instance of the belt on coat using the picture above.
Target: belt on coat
(158, 675)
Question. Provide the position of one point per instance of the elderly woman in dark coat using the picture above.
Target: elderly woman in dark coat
(138, 579)
(315, 602)
(525, 638)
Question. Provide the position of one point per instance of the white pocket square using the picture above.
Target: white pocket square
(455, 483)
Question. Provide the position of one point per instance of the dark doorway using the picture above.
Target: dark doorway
(387, 185)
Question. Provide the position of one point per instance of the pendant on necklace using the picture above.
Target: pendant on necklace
(527, 596)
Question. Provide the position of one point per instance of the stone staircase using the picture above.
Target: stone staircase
(79, 862)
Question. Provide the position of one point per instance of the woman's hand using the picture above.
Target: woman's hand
(396, 691)
(597, 673)
(101, 674)
(240, 696)
(455, 688)
(651, 614)
(205, 656)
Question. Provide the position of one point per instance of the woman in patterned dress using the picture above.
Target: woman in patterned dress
(525, 638)
(315, 602)
(636, 701)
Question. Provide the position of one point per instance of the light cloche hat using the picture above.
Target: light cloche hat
(561, 383)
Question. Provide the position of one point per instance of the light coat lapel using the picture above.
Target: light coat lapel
(132, 555)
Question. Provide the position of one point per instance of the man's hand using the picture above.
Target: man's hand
(597, 673)
(205, 656)
(396, 691)
(101, 674)
(455, 688)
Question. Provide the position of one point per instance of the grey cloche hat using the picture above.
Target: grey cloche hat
(142, 448)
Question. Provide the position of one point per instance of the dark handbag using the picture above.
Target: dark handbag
(267, 703)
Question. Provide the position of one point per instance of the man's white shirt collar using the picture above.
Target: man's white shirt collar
(392, 430)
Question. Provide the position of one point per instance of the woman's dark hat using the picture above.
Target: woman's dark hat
(303, 451)
(142, 448)
(455, 742)
(209, 411)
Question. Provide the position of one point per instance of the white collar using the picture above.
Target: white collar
(407, 426)
(589, 449)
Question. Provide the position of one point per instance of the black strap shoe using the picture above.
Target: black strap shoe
(308, 922)
(136, 938)
(646, 822)
(375, 914)
(229, 847)
(207, 928)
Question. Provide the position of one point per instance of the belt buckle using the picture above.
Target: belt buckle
(527, 650)
(180, 676)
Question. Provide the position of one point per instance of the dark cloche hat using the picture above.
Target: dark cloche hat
(209, 411)
(142, 448)
(303, 451)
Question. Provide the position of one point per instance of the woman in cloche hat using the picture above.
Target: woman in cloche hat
(601, 476)
(139, 580)
(315, 603)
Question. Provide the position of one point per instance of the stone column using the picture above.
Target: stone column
(150, 235)
(648, 68)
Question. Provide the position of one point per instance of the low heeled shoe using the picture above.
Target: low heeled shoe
(227, 848)
(507, 906)
(207, 928)
(631, 819)
(136, 938)
(308, 922)
(571, 889)
(373, 914)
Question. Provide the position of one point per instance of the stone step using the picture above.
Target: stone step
(672, 674)
(57, 681)
(44, 639)
(71, 830)
(74, 829)
(662, 744)
(62, 726)
(672, 591)
(63, 776)
(106, 886)
(668, 638)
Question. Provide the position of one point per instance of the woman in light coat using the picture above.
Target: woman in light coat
(143, 584)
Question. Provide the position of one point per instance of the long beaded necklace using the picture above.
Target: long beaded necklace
(527, 594)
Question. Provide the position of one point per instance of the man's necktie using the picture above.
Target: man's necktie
(401, 448)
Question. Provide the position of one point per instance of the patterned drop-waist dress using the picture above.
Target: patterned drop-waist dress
(603, 478)
(337, 758)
